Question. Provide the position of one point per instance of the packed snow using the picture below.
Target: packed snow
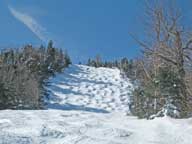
(100, 90)
(89, 105)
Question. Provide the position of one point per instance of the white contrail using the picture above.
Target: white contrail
(31, 23)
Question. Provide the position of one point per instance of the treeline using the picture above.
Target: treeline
(127, 67)
(22, 74)
(165, 71)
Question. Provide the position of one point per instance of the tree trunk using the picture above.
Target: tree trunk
(182, 98)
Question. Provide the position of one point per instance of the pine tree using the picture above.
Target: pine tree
(89, 62)
(22, 74)
(67, 59)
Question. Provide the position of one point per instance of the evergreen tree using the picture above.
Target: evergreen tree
(89, 62)
(22, 74)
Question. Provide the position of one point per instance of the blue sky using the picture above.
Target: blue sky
(83, 27)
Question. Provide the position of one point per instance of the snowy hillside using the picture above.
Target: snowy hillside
(89, 106)
(90, 89)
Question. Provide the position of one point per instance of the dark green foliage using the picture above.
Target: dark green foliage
(67, 60)
(22, 74)
(89, 62)
(162, 93)
(20, 90)
(143, 102)
(168, 82)
(124, 64)
(170, 86)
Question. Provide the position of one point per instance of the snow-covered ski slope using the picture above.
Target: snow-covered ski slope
(89, 106)
(99, 90)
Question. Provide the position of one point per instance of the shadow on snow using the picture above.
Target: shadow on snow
(69, 80)
(68, 106)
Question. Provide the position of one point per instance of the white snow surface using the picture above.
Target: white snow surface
(100, 90)
(89, 106)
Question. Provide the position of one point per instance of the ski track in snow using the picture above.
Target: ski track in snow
(89, 106)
